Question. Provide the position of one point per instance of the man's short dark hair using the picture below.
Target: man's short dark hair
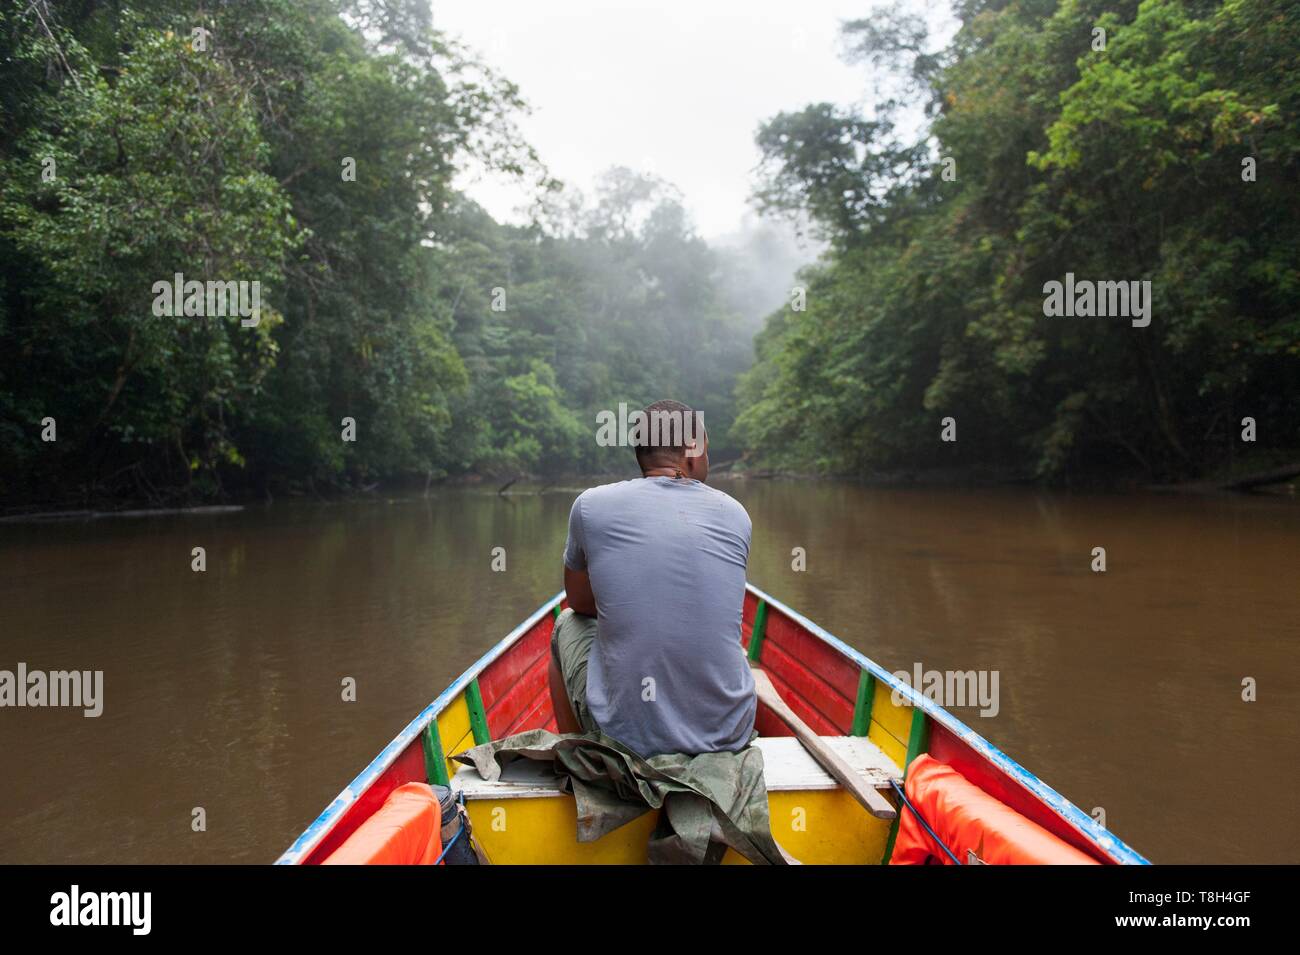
(667, 426)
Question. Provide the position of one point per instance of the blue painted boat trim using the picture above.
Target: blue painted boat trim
(1076, 818)
(1072, 815)
(313, 834)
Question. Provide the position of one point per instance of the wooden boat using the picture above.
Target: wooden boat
(844, 696)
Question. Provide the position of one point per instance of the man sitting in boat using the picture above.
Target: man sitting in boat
(649, 651)
(652, 693)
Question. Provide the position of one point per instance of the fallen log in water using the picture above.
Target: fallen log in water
(97, 515)
(1244, 482)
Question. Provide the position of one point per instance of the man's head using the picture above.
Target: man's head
(672, 436)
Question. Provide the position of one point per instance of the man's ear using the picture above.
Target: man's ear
(692, 462)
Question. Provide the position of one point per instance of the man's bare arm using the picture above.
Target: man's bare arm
(577, 584)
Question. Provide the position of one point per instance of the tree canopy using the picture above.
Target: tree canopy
(1136, 141)
(311, 146)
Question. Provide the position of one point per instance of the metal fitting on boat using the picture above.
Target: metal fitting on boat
(457, 834)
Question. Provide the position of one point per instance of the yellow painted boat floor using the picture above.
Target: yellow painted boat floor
(523, 819)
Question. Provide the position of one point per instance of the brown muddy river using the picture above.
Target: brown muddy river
(222, 689)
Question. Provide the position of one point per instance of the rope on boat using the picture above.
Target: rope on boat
(924, 825)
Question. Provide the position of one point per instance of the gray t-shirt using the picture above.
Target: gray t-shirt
(667, 564)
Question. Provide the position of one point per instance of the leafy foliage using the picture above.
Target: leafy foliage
(1117, 164)
(227, 158)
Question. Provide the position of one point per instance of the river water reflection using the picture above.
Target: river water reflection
(223, 690)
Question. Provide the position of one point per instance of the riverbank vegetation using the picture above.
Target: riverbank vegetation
(311, 146)
(314, 147)
(1134, 141)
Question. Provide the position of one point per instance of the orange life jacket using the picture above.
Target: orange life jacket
(967, 819)
(407, 830)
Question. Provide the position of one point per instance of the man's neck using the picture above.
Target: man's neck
(669, 472)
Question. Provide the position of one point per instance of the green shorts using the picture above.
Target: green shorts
(570, 646)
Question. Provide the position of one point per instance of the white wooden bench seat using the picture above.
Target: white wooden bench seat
(787, 766)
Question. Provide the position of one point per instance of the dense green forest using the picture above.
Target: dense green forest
(312, 146)
(1165, 148)
(133, 148)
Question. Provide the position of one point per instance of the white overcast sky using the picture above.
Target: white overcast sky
(673, 87)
